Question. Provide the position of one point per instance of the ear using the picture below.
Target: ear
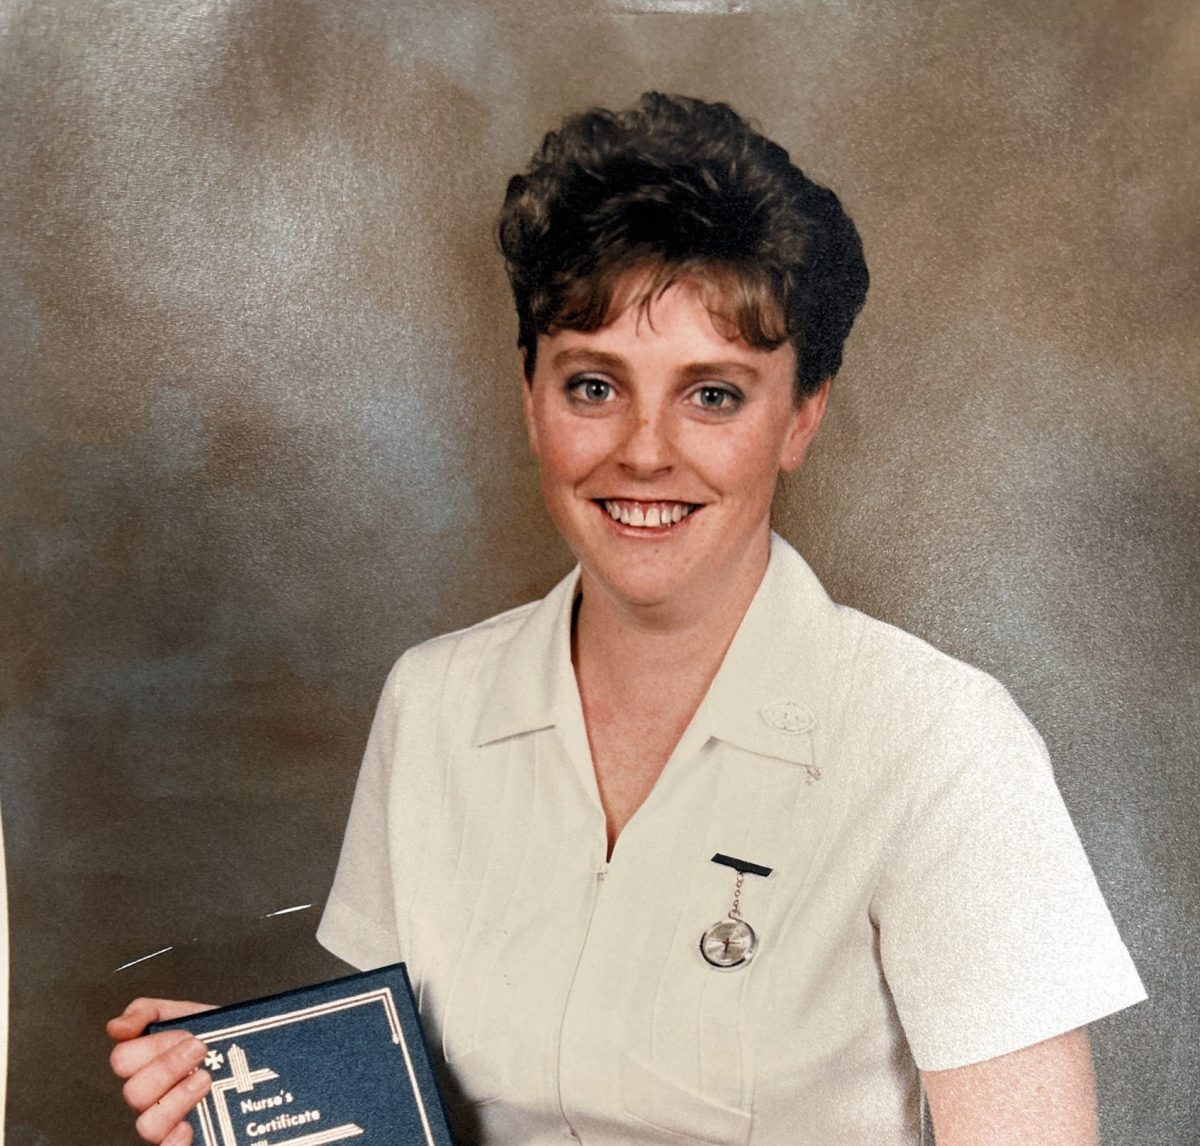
(526, 384)
(806, 420)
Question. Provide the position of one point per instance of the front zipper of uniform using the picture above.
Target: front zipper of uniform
(597, 883)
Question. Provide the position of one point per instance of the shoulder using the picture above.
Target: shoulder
(905, 676)
(456, 656)
(473, 642)
(886, 699)
(872, 660)
(915, 720)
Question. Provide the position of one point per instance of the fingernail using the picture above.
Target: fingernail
(193, 1051)
(197, 1082)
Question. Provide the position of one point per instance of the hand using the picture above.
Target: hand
(162, 1082)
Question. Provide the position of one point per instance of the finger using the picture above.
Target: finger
(142, 1012)
(157, 1123)
(128, 1058)
(147, 1086)
(180, 1136)
(134, 1019)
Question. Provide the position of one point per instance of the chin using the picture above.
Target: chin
(636, 592)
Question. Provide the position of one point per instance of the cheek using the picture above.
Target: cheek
(559, 457)
(742, 461)
(569, 448)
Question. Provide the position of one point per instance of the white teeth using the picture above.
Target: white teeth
(651, 517)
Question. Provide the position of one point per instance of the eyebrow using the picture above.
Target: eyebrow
(582, 356)
(692, 372)
(739, 371)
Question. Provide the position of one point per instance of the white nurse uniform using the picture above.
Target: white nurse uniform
(929, 903)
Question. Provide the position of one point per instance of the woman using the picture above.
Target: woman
(686, 852)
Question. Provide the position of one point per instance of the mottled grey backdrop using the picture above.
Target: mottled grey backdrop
(259, 432)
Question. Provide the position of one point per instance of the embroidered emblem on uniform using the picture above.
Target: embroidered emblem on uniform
(788, 716)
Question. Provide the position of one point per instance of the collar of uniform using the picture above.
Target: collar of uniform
(529, 689)
(772, 687)
(769, 691)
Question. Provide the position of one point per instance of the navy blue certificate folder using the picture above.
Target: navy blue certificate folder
(343, 1061)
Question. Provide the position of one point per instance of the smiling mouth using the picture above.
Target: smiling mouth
(647, 514)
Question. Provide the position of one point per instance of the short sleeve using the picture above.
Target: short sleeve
(993, 933)
(358, 924)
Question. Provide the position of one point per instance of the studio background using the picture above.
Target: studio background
(260, 431)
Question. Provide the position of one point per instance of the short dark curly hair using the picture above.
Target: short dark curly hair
(676, 188)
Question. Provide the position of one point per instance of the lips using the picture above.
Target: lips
(647, 514)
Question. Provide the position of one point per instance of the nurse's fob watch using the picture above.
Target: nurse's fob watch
(730, 943)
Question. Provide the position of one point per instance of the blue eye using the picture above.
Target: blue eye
(589, 388)
(716, 397)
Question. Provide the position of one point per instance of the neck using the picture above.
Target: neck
(642, 673)
(669, 641)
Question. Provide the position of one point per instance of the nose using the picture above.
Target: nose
(647, 447)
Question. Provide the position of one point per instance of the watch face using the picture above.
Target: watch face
(729, 944)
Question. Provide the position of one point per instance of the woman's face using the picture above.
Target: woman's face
(660, 440)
